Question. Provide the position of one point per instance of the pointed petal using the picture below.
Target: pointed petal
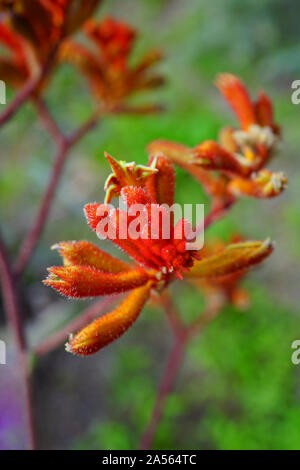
(233, 258)
(118, 170)
(123, 175)
(111, 326)
(91, 212)
(176, 152)
(84, 253)
(161, 185)
(150, 58)
(264, 110)
(83, 281)
(238, 98)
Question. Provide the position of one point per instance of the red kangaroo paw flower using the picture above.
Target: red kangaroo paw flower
(83, 281)
(87, 254)
(106, 63)
(111, 326)
(125, 174)
(182, 155)
(212, 156)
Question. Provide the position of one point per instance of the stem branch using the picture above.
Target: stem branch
(65, 145)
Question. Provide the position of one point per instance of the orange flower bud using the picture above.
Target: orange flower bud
(87, 254)
(83, 281)
(232, 258)
(111, 326)
(238, 98)
(264, 184)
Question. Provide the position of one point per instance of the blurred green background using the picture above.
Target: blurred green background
(238, 388)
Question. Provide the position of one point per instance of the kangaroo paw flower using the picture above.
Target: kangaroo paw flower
(111, 326)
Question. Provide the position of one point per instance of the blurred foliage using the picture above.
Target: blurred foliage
(238, 388)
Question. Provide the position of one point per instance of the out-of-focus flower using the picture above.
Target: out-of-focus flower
(106, 65)
(157, 259)
(238, 161)
(33, 28)
(14, 63)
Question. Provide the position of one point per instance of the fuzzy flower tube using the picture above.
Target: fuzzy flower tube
(155, 262)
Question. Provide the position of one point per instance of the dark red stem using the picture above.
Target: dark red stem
(165, 388)
(10, 296)
(31, 239)
(28, 88)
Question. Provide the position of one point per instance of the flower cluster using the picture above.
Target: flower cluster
(156, 262)
(31, 30)
(235, 166)
(34, 31)
(105, 63)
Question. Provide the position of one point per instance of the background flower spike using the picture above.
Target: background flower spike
(238, 98)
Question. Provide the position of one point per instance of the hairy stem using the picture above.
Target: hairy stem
(10, 295)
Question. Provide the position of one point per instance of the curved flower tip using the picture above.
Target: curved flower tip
(111, 326)
(233, 258)
(92, 213)
(177, 153)
(85, 281)
(161, 185)
(125, 174)
(238, 98)
(87, 254)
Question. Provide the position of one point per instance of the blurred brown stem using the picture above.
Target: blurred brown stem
(28, 88)
(49, 123)
(10, 296)
(65, 144)
(165, 388)
(218, 213)
(172, 314)
(183, 336)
